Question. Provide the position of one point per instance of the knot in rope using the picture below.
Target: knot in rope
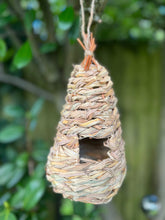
(89, 56)
(89, 53)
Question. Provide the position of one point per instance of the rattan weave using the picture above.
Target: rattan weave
(87, 162)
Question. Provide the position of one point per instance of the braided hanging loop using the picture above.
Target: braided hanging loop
(87, 162)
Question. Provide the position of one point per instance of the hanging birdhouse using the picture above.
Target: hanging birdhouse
(87, 162)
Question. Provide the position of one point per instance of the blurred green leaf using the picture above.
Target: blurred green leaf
(22, 160)
(6, 20)
(14, 111)
(11, 173)
(57, 6)
(23, 56)
(3, 8)
(39, 171)
(4, 198)
(11, 153)
(24, 216)
(75, 30)
(33, 193)
(89, 208)
(40, 151)
(79, 208)
(66, 18)
(7, 215)
(34, 217)
(11, 133)
(3, 49)
(49, 47)
(36, 108)
(16, 177)
(76, 217)
(95, 214)
(33, 113)
(28, 196)
(6, 172)
(33, 124)
(66, 207)
(17, 199)
(28, 19)
(160, 35)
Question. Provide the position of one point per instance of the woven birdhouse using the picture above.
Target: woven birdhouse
(87, 161)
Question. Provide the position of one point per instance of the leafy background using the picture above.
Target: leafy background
(37, 49)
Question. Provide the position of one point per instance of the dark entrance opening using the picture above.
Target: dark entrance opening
(93, 149)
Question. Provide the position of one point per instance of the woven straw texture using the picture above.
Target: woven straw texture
(87, 162)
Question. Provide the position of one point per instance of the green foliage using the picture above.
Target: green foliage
(133, 20)
(7, 215)
(66, 18)
(29, 195)
(14, 111)
(3, 49)
(74, 30)
(23, 56)
(32, 193)
(36, 108)
(49, 47)
(75, 217)
(67, 207)
(6, 172)
(5, 16)
(28, 19)
(28, 188)
(13, 172)
(78, 211)
(58, 5)
(32, 114)
(11, 133)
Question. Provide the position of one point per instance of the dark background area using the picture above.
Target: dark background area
(37, 49)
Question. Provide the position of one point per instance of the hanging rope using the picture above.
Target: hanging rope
(89, 45)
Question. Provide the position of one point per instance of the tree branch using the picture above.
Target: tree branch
(15, 6)
(48, 17)
(25, 85)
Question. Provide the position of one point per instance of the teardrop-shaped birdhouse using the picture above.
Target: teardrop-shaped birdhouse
(87, 162)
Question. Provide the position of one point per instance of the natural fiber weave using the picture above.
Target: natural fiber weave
(87, 162)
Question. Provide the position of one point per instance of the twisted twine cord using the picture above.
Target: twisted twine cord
(90, 20)
(82, 20)
(89, 42)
